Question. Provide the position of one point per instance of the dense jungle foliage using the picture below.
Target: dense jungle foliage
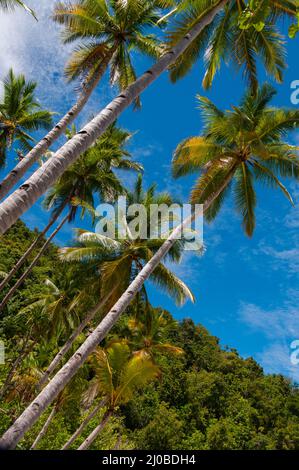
(198, 395)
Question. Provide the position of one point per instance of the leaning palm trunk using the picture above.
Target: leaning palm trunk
(26, 420)
(94, 434)
(27, 253)
(83, 425)
(118, 443)
(39, 150)
(11, 292)
(44, 429)
(24, 197)
(67, 346)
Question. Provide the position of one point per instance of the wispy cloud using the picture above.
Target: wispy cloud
(274, 322)
(35, 49)
(280, 326)
(276, 358)
(282, 259)
(292, 218)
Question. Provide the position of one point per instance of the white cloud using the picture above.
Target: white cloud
(287, 259)
(276, 322)
(35, 49)
(276, 358)
(280, 325)
(292, 218)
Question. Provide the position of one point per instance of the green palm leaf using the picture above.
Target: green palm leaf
(245, 198)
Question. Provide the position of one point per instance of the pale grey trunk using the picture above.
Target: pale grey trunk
(15, 433)
(67, 346)
(27, 253)
(82, 426)
(24, 197)
(94, 434)
(118, 443)
(44, 429)
(11, 292)
(39, 150)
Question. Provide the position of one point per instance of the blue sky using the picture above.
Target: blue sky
(247, 289)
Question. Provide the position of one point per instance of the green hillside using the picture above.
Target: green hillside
(204, 397)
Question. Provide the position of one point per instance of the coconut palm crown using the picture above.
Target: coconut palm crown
(244, 32)
(20, 113)
(248, 143)
(105, 27)
(118, 374)
(114, 262)
(94, 173)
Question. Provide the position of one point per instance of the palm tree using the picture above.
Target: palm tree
(94, 173)
(58, 303)
(91, 175)
(87, 175)
(148, 329)
(8, 276)
(118, 375)
(243, 33)
(70, 395)
(246, 142)
(41, 181)
(90, 415)
(116, 261)
(109, 32)
(58, 404)
(82, 300)
(12, 4)
(50, 317)
(110, 265)
(54, 168)
(24, 379)
(20, 113)
(115, 26)
(270, 136)
(13, 435)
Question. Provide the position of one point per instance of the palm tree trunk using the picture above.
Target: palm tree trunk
(29, 416)
(94, 434)
(41, 147)
(31, 266)
(21, 261)
(24, 197)
(44, 429)
(67, 346)
(118, 443)
(82, 426)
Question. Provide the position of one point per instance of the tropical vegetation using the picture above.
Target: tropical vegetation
(196, 394)
(20, 113)
(92, 362)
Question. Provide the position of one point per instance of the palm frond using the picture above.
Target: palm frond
(174, 286)
(245, 198)
(264, 174)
